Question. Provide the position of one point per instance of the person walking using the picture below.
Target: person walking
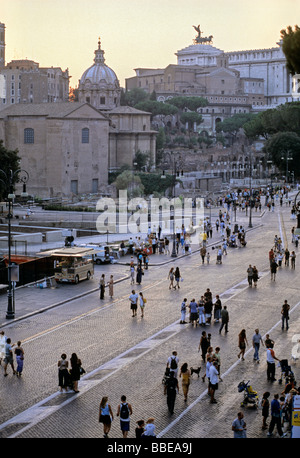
(139, 273)
(8, 359)
(217, 357)
(213, 381)
(171, 386)
(111, 286)
(217, 309)
(193, 312)
(250, 275)
(255, 276)
(133, 298)
(256, 340)
(171, 278)
(224, 319)
(185, 373)
(183, 311)
(177, 277)
(143, 301)
(293, 259)
(105, 415)
(75, 371)
(63, 373)
(275, 417)
(265, 405)
(286, 257)
(273, 269)
(102, 286)
(239, 426)
(201, 311)
(208, 305)
(172, 363)
(242, 343)
(3, 339)
(285, 315)
(19, 352)
(271, 363)
(124, 411)
(132, 272)
(204, 345)
(203, 253)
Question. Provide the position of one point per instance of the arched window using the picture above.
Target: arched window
(28, 135)
(85, 135)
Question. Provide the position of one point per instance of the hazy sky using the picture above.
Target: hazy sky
(136, 33)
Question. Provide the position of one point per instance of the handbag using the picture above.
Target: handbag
(81, 371)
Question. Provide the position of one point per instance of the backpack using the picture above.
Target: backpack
(173, 364)
(124, 411)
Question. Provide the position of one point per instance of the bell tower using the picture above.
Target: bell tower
(2, 45)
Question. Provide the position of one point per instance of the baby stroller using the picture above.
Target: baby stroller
(250, 396)
(219, 256)
(286, 372)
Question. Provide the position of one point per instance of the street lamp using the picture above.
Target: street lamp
(175, 176)
(287, 165)
(8, 181)
(250, 197)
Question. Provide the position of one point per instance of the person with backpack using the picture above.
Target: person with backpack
(172, 363)
(124, 411)
(171, 386)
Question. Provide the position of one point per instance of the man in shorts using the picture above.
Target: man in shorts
(124, 411)
(8, 357)
(133, 302)
(213, 381)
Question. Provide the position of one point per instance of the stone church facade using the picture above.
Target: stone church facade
(63, 146)
(69, 148)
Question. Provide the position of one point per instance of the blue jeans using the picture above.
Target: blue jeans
(286, 319)
(256, 348)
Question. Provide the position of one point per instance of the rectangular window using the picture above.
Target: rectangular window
(28, 135)
(85, 135)
(74, 186)
(95, 185)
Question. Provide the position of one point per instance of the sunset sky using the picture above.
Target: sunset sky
(136, 33)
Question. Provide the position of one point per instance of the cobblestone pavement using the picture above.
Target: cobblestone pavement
(125, 355)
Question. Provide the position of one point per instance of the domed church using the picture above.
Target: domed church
(99, 84)
(69, 148)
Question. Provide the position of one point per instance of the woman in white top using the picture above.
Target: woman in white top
(2, 345)
(142, 303)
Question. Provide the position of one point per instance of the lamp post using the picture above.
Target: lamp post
(8, 181)
(175, 175)
(250, 197)
(287, 166)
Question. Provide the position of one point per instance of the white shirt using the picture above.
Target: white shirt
(270, 358)
(133, 298)
(213, 375)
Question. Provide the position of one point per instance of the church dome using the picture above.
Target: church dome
(99, 84)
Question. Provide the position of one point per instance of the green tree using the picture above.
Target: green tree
(9, 160)
(232, 125)
(130, 182)
(191, 103)
(134, 96)
(141, 160)
(190, 118)
(281, 146)
(291, 48)
(156, 108)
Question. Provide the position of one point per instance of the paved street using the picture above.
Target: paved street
(125, 355)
